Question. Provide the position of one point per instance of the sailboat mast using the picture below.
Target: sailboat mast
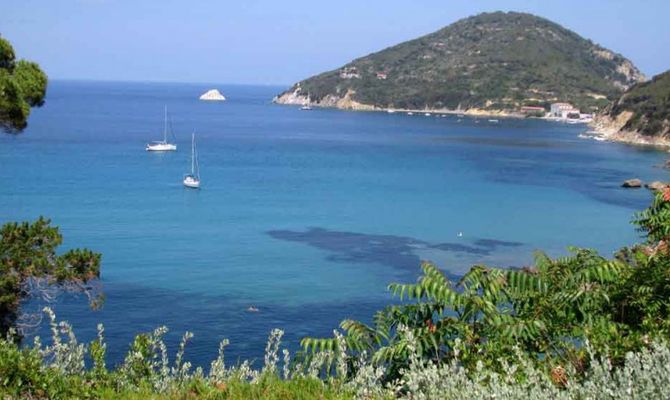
(195, 158)
(165, 126)
(193, 154)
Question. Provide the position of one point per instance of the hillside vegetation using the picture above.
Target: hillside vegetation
(492, 61)
(647, 105)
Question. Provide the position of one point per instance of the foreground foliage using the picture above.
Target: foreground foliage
(57, 371)
(30, 267)
(546, 311)
(582, 327)
(22, 85)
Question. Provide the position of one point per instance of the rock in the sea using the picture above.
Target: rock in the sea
(657, 185)
(632, 183)
(212, 95)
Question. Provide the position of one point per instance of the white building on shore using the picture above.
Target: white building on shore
(564, 111)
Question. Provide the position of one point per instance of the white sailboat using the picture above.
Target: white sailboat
(192, 180)
(163, 145)
(306, 104)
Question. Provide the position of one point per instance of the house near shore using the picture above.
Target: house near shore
(533, 110)
(564, 111)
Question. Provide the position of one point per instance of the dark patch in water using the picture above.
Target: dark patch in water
(390, 250)
(493, 243)
(460, 248)
(395, 251)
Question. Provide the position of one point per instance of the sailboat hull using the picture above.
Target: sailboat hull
(191, 182)
(161, 147)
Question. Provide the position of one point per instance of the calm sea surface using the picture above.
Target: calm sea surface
(305, 215)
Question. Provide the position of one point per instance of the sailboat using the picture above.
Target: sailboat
(306, 104)
(163, 145)
(192, 180)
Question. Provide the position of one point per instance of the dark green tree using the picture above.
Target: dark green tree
(642, 300)
(22, 85)
(30, 267)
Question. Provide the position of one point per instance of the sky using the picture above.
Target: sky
(281, 42)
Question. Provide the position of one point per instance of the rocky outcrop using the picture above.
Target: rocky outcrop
(654, 186)
(641, 115)
(614, 128)
(212, 95)
(346, 102)
(295, 97)
(632, 183)
(657, 185)
(611, 125)
(632, 74)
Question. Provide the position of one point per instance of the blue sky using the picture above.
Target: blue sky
(279, 42)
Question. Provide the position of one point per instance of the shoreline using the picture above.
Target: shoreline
(345, 104)
(348, 104)
(472, 112)
(602, 128)
(611, 129)
(355, 106)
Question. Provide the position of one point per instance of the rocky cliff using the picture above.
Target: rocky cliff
(640, 115)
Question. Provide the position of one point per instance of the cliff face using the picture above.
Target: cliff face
(649, 103)
(345, 102)
(640, 115)
(495, 61)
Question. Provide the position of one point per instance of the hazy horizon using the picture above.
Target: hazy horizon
(167, 81)
(265, 43)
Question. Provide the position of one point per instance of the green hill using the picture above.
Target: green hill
(492, 61)
(645, 107)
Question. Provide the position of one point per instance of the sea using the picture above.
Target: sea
(306, 216)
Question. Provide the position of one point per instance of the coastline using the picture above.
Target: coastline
(602, 127)
(612, 129)
(347, 103)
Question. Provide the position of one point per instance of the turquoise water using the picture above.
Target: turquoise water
(305, 215)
